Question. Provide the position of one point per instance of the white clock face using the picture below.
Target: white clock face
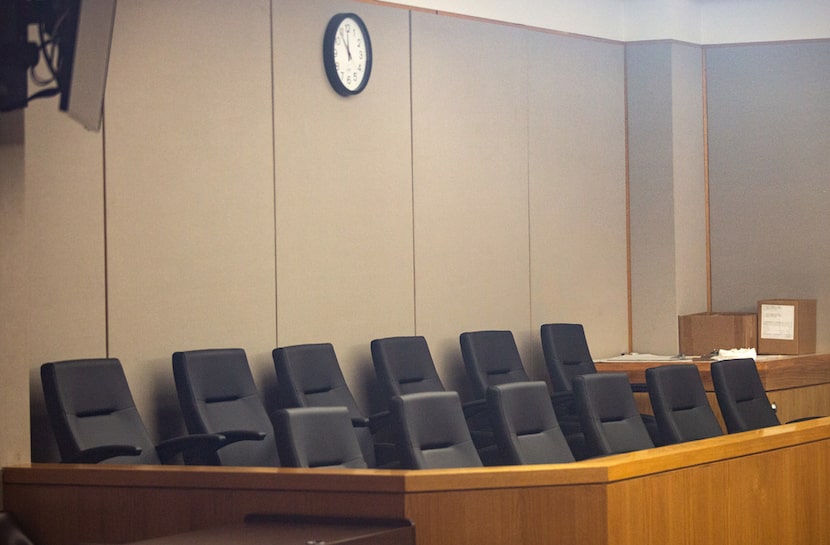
(350, 54)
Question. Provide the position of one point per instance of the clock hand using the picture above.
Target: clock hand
(346, 41)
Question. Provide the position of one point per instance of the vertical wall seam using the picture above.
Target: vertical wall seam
(274, 168)
(705, 97)
(412, 182)
(106, 239)
(630, 310)
(529, 188)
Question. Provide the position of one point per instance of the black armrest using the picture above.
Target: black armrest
(233, 436)
(474, 408)
(99, 454)
(379, 421)
(639, 387)
(198, 444)
(564, 404)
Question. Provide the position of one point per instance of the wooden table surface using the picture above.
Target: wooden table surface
(777, 372)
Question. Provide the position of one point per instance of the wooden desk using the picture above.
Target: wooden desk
(798, 385)
(762, 486)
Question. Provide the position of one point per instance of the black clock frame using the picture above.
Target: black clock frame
(328, 54)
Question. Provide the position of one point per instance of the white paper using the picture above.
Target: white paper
(778, 322)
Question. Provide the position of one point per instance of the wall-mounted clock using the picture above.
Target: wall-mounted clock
(347, 54)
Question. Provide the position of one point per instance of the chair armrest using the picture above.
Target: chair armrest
(99, 454)
(233, 436)
(474, 408)
(639, 387)
(379, 421)
(198, 444)
(564, 404)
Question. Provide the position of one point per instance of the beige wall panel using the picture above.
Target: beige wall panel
(689, 179)
(343, 190)
(470, 142)
(14, 388)
(651, 168)
(577, 189)
(65, 239)
(668, 228)
(190, 220)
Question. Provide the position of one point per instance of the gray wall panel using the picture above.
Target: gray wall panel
(769, 136)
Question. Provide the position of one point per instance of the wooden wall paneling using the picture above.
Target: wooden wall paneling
(555, 514)
(671, 507)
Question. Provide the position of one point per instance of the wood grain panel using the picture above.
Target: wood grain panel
(763, 486)
(517, 515)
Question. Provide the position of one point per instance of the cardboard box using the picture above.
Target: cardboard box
(787, 326)
(707, 332)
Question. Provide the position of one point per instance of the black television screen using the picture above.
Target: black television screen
(84, 52)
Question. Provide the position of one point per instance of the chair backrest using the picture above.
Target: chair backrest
(525, 424)
(491, 358)
(432, 431)
(10, 531)
(90, 405)
(317, 437)
(680, 406)
(566, 354)
(309, 375)
(743, 402)
(404, 365)
(217, 393)
(608, 413)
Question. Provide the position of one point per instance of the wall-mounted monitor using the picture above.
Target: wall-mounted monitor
(85, 52)
(70, 58)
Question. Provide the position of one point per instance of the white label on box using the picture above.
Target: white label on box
(778, 322)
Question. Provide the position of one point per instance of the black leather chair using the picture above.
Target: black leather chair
(217, 394)
(432, 431)
(525, 425)
(492, 358)
(10, 531)
(680, 406)
(404, 365)
(309, 375)
(317, 437)
(609, 415)
(741, 397)
(94, 417)
(567, 355)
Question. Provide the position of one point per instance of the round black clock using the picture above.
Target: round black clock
(347, 54)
